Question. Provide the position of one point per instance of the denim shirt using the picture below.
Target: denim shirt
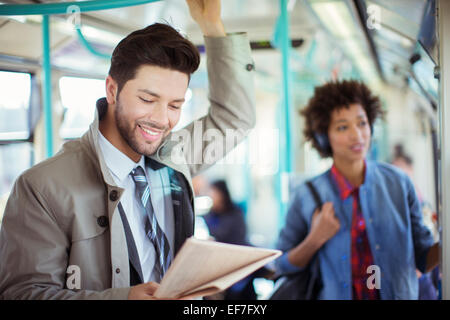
(398, 239)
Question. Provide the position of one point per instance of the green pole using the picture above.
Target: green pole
(285, 51)
(285, 116)
(61, 7)
(47, 88)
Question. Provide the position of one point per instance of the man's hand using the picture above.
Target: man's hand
(207, 15)
(324, 224)
(146, 291)
(143, 291)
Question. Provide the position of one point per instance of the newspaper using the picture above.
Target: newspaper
(204, 267)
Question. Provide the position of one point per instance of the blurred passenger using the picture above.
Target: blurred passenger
(403, 161)
(371, 214)
(225, 220)
(226, 224)
(428, 282)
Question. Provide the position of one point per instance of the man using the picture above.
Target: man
(104, 218)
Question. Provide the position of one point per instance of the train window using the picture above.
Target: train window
(14, 159)
(423, 70)
(15, 129)
(15, 90)
(15, 156)
(78, 97)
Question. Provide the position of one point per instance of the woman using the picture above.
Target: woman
(370, 216)
(226, 224)
(225, 220)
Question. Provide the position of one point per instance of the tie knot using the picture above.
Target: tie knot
(138, 174)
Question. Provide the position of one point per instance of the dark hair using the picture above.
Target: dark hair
(158, 45)
(336, 95)
(399, 153)
(222, 187)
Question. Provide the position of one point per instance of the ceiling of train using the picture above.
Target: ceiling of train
(393, 30)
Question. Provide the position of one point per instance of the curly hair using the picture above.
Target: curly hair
(336, 95)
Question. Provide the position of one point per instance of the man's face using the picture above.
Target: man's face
(148, 107)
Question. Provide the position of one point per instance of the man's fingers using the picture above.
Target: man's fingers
(150, 287)
(153, 284)
(189, 297)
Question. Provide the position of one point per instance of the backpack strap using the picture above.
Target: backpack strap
(315, 282)
(315, 194)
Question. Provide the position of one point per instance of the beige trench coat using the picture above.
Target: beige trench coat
(52, 216)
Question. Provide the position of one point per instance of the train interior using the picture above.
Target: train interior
(390, 45)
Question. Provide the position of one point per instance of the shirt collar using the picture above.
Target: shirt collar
(344, 186)
(119, 163)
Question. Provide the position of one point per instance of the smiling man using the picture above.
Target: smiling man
(104, 218)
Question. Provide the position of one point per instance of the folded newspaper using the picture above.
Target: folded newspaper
(204, 267)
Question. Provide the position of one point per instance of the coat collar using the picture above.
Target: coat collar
(119, 163)
(344, 186)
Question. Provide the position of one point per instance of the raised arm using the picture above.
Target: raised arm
(231, 93)
(207, 15)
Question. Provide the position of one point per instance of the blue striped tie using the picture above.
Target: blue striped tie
(152, 228)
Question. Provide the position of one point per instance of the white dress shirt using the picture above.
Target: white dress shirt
(120, 167)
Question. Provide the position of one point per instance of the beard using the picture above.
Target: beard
(128, 133)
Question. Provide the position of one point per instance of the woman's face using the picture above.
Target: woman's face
(349, 133)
